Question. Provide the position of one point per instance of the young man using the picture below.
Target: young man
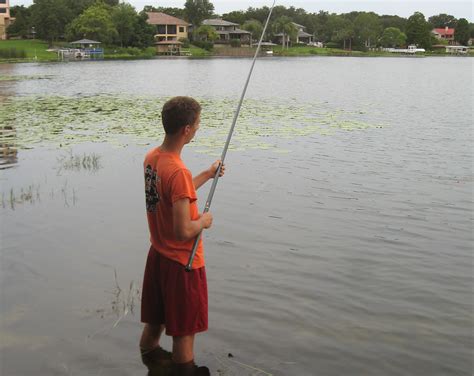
(173, 298)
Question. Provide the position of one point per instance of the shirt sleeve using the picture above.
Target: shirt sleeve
(182, 186)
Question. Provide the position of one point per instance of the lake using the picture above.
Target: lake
(342, 241)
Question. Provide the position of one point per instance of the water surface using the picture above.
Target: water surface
(342, 241)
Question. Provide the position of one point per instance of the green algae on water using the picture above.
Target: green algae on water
(122, 120)
(24, 77)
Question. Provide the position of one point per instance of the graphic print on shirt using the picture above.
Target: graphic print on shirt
(151, 193)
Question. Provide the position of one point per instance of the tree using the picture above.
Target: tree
(462, 32)
(22, 25)
(198, 10)
(49, 18)
(94, 23)
(124, 18)
(319, 26)
(393, 21)
(442, 20)
(207, 33)
(287, 28)
(341, 29)
(392, 37)
(144, 33)
(418, 31)
(79, 6)
(255, 27)
(345, 33)
(237, 16)
(367, 28)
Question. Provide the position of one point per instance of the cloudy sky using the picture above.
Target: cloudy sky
(404, 8)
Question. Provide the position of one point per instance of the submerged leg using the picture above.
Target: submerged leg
(153, 356)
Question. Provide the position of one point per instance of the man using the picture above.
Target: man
(172, 298)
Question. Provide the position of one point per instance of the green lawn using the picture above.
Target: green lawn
(31, 48)
(312, 51)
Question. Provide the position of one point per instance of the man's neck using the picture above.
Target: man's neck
(172, 145)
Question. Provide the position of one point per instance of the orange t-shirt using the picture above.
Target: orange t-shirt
(167, 180)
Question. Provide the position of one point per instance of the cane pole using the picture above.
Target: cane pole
(189, 265)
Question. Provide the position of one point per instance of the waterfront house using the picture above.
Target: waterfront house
(5, 19)
(444, 34)
(302, 37)
(228, 31)
(169, 31)
(168, 28)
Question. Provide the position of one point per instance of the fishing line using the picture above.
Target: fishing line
(189, 265)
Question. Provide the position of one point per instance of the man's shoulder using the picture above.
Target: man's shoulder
(164, 163)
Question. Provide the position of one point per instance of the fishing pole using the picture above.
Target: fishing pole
(189, 265)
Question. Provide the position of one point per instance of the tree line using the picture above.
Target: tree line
(115, 23)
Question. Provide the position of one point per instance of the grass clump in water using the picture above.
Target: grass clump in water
(77, 162)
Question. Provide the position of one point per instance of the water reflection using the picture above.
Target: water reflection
(8, 151)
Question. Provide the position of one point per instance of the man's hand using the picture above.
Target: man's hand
(206, 220)
(212, 170)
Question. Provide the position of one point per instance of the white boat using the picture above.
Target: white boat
(412, 49)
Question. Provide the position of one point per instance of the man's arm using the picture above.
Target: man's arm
(203, 177)
(184, 227)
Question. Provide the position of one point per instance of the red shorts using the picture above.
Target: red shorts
(174, 297)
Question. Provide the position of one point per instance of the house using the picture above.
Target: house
(5, 19)
(301, 37)
(168, 28)
(445, 34)
(228, 31)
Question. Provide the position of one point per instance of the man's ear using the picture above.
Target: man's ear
(186, 130)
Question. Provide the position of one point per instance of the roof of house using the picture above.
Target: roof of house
(298, 25)
(444, 31)
(218, 22)
(236, 31)
(169, 42)
(303, 34)
(158, 18)
(85, 41)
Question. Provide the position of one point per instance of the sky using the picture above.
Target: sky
(403, 8)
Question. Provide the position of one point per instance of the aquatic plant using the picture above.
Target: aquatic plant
(123, 303)
(29, 195)
(88, 162)
(32, 194)
(24, 77)
(120, 120)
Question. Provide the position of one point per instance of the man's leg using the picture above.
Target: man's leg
(152, 354)
(183, 358)
(183, 349)
(151, 336)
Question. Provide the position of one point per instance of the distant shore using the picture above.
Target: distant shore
(27, 51)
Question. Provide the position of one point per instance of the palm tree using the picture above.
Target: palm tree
(285, 26)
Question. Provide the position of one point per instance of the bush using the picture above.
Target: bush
(332, 45)
(12, 53)
(134, 51)
(185, 42)
(300, 45)
(205, 45)
(235, 43)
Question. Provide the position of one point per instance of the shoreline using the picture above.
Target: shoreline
(211, 57)
(36, 51)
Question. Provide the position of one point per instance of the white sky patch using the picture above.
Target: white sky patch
(403, 8)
